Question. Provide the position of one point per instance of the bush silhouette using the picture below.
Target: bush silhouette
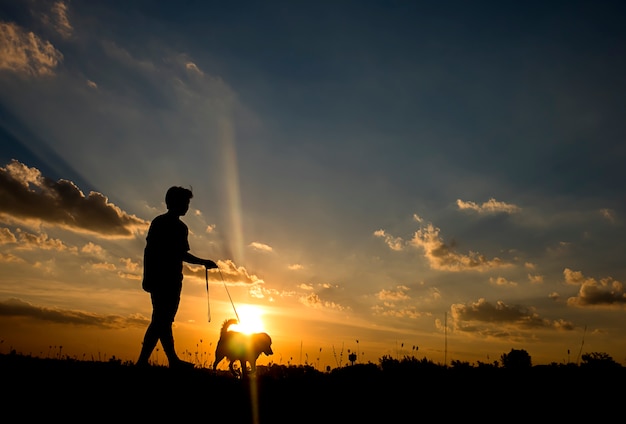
(516, 359)
(598, 360)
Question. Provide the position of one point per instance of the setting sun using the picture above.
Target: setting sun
(250, 319)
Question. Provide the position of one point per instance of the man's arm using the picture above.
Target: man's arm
(192, 259)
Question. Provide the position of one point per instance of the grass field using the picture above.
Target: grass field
(38, 389)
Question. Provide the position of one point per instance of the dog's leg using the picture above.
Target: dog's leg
(218, 359)
(231, 366)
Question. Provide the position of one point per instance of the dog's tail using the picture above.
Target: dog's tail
(227, 324)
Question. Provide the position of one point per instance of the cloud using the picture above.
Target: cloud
(442, 256)
(314, 301)
(489, 207)
(99, 266)
(609, 215)
(6, 236)
(388, 310)
(494, 319)
(228, 271)
(16, 308)
(501, 281)
(58, 19)
(398, 303)
(41, 241)
(10, 258)
(29, 241)
(30, 198)
(23, 52)
(394, 243)
(573, 277)
(605, 292)
(92, 248)
(192, 67)
(394, 295)
(260, 247)
(561, 324)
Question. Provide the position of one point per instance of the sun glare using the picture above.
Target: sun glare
(250, 319)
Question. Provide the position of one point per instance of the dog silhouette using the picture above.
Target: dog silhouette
(245, 348)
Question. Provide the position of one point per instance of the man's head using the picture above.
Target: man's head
(177, 199)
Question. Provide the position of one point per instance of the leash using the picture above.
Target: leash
(206, 279)
(231, 299)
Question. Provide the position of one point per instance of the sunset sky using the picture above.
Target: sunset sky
(439, 179)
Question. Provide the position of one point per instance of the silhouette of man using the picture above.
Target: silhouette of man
(167, 247)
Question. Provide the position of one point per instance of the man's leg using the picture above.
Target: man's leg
(154, 330)
(166, 335)
(149, 343)
(167, 341)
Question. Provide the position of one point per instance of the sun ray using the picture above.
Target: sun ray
(233, 200)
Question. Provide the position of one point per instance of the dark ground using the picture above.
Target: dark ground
(36, 389)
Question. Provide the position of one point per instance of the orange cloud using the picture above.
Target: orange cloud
(490, 206)
(442, 256)
(25, 53)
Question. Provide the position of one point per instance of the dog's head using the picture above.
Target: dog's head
(262, 343)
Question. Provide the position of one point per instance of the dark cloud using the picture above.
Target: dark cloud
(471, 316)
(16, 308)
(26, 195)
(603, 292)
